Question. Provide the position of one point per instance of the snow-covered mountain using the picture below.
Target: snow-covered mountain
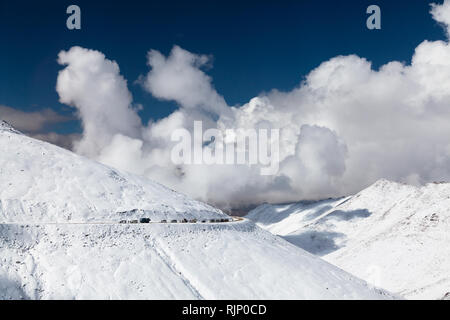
(60, 238)
(393, 235)
(44, 183)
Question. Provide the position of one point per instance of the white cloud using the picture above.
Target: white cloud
(93, 85)
(441, 13)
(179, 77)
(342, 128)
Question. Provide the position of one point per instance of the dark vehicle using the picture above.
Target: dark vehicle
(144, 220)
(173, 221)
(184, 221)
(123, 221)
(203, 221)
(193, 221)
(164, 221)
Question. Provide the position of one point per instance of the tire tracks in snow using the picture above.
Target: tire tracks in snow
(171, 265)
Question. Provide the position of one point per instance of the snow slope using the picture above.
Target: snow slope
(393, 235)
(173, 261)
(40, 182)
(60, 239)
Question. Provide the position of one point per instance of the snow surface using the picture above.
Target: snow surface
(60, 239)
(393, 235)
(173, 261)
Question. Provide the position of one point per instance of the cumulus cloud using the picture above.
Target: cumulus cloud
(318, 159)
(179, 77)
(342, 128)
(441, 13)
(93, 85)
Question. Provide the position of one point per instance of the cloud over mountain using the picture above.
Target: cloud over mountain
(34, 121)
(37, 123)
(345, 126)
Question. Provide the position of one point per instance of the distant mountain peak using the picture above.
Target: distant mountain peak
(383, 182)
(5, 126)
(385, 185)
(377, 234)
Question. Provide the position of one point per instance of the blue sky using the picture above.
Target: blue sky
(256, 45)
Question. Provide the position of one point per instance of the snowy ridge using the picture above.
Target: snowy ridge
(393, 235)
(42, 183)
(6, 127)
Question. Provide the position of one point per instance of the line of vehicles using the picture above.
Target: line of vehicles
(148, 220)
